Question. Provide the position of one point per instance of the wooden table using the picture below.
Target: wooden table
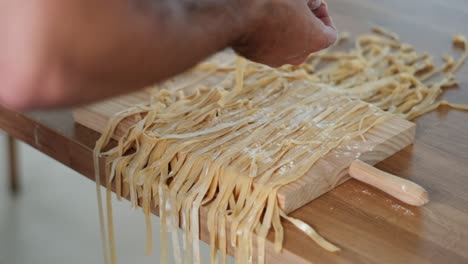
(368, 225)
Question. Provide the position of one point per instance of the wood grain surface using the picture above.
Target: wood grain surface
(381, 142)
(368, 225)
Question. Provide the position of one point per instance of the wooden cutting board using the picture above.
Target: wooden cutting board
(382, 141)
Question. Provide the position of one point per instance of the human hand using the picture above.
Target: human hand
(285, 31)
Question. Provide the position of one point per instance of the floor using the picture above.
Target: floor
(54, 217)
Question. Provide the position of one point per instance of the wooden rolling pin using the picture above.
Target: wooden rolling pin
(402, 189)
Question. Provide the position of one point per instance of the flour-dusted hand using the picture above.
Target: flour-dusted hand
(286, 31)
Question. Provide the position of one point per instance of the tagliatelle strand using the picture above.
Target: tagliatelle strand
(230, 147)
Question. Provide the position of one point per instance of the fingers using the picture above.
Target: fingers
(323, 28)
(314, 4)
(322, 13)
(320, 33)
(309, 29)
(331, 36)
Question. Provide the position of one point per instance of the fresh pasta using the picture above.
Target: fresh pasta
(229, 147)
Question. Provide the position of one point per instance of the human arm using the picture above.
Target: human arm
(61, 53)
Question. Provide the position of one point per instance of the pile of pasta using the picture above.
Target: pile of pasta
(227, 148)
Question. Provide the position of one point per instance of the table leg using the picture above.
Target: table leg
(13, 165)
